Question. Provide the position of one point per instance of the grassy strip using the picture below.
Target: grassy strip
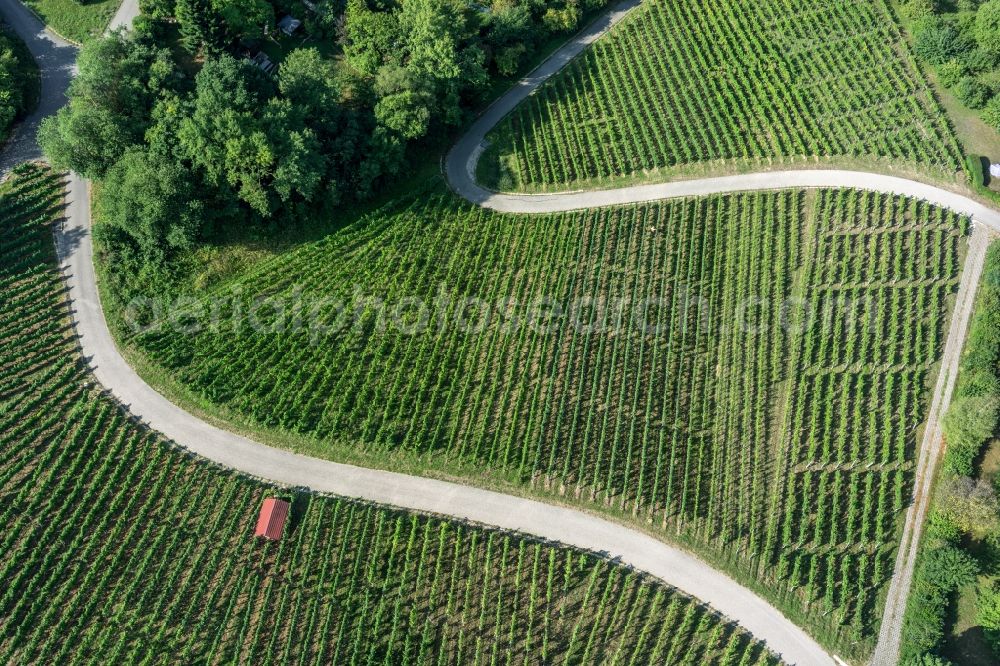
(75, 21)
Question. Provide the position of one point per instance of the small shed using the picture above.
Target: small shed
(271, 521)
(995, 170)
(289, 24)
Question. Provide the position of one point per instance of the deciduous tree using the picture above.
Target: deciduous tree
(109, 104)
(987, 28)
(153, 201)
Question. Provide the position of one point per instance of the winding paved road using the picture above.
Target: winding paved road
(573, 527)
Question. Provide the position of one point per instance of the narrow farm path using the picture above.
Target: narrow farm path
(126, 13)
(890, 633)
(573, 527)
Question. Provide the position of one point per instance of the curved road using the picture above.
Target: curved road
(572, 527)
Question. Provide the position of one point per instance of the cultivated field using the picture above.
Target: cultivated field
(744, 373)
(687, 86)
(121, 549)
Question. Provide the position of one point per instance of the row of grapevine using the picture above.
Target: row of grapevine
(787, 335)
(119, 548)
(682, 83)
(859, 396)
(578, 407)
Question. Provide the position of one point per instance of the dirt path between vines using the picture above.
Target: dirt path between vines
(932, 445)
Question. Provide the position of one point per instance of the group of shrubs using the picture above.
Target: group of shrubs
(962, 539)
(962, 41)
(18, 81)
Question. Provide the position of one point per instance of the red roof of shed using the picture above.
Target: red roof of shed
(271, 521)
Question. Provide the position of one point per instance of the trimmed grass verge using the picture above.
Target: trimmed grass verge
(76, 21)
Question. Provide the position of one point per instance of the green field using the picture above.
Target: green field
(685, 86)
(120, 548)
(779, 446)
(75, 20)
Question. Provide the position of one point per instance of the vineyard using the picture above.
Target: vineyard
(745, 373)
(121, 549)
(743, 85)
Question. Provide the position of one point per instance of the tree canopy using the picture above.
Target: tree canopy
(969, 422)
(152, 201)
(987, 28)
(109, 104)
